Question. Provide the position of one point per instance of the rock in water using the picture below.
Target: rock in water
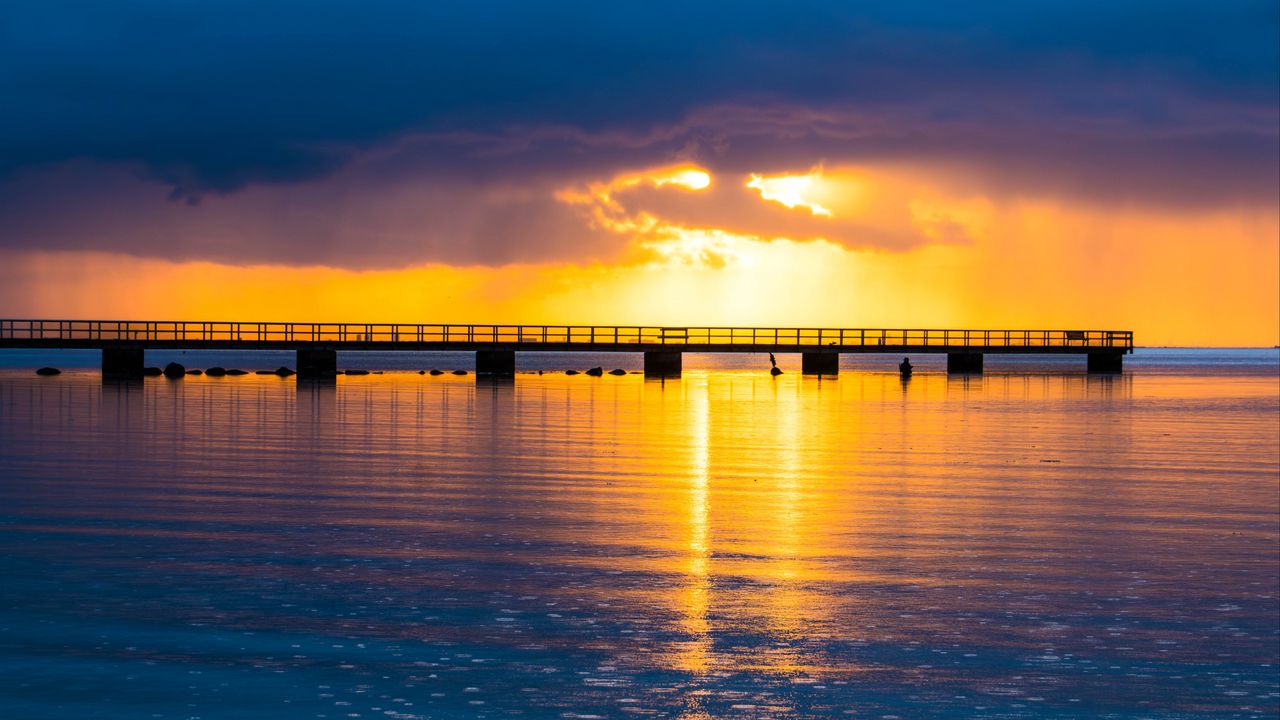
(459, 372)
(283, 371)
(775, 371)
(355, 371)
(216, 371)
(570, 372)
(595, 372)
(195, 372)
(617, 371)
(236, 371)
(264, 372)
(174, 370)
(152, 371)
(422, 372)
(47, 371)
(433, 371)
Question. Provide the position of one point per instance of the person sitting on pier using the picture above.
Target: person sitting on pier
(904, 367)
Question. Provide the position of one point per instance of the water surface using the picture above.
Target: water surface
(1029, 544)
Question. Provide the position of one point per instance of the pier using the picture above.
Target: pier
(123, 342)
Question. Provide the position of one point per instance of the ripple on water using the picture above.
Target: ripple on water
(725, 544)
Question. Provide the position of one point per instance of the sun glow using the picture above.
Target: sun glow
(692, 178)
(791, 190)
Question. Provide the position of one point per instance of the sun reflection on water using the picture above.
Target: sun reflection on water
(783, 545)
(694, 655)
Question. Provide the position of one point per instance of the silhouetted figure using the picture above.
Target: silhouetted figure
(904, 367)
(772, 361)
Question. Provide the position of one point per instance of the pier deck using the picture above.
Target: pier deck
(496, 345)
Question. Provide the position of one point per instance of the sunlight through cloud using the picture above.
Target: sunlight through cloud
(790, 190)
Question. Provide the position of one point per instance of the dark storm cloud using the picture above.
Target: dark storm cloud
(1171, 103)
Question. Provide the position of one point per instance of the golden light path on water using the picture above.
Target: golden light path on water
(723, 545)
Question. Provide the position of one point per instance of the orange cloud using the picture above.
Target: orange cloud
(866, 207)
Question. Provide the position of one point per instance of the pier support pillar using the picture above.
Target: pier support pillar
(317, 363)
(820, 363)
(662, 363)
(496, 363)
(1106, 362)
(122, 362)
(964, 363)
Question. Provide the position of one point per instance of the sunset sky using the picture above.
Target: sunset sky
(1026, 165)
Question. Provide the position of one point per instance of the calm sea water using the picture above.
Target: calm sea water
(1024, 544)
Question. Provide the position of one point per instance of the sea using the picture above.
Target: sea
(1032, 542)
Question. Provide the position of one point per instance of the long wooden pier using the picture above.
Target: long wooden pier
(123, 341)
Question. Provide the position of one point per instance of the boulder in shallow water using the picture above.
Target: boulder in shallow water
(570, 372)
(459, 372)
(48, 371)
(237, 371)
(152, 371)
(617, 371)
(216, 371)
(422, 372)
(355, 371)
(595, 372)
(195, 372)
(433, 371)
(775, 371)
(264, 372)
(283, 371)
(174, 370)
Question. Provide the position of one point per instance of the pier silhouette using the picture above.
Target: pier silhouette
(123, 342)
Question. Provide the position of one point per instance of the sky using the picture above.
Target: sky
(1110, 165)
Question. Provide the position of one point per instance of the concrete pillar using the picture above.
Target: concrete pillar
(496, 363)
(317, 363)
(820, 363)
(120, 362)
(964, 363)
(1106, 362)
(662, 363)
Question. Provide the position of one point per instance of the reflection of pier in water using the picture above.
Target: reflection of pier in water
(123, 342)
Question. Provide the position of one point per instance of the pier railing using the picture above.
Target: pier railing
(532, 336)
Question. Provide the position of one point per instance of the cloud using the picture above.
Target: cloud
(399, 132)
(871, 208)
(277, 91)
(354, 219)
